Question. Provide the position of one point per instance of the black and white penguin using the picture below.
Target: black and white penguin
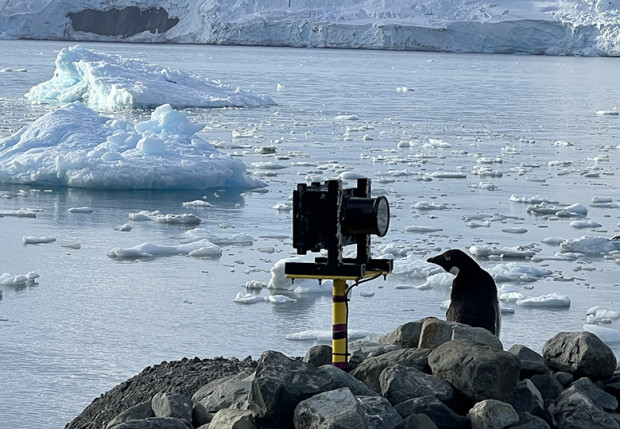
(474, 293)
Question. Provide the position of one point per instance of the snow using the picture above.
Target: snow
(104, 81)
(552, 300)
(74, 146)
(553, 27)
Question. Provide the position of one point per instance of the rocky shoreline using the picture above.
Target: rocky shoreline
(426, 374)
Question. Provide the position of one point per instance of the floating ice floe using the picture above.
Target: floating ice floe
(84, 210)
(590, 246)
(325, 336)
(517, 272)
(19, 213)
(608, 112)
(74, 146)
(196, 204)
(517, 252)
(250, 298)
(255, 285)
(580, 224)
(600, 314)
(607, 335)
(198, 234)
(448, 175)
(552, 300)
(346, 118)
(414, 267)
(425, 205)
(38, 240)
(421, 229)
(8, 279)
(531, 200)
(441, 280)
(279, 281)
(148, 251)
(568, 211)
(107, 81)
(126, 227)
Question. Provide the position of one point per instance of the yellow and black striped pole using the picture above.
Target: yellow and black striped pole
(339, 325)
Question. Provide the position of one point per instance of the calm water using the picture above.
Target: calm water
(91, 323)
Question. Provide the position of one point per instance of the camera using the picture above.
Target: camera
(328, 217)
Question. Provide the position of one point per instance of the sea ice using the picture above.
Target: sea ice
(85, 210)
(552, 300)
(38, 240)
(147, 251)
(74, 146)
(514, 272)
(607, 335)
(106, 81)
(517, 252)
(590, 246)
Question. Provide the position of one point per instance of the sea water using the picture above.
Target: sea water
(448, 138)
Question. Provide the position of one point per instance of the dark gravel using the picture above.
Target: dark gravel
(185, 377)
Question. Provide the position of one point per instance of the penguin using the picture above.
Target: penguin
(474, 293)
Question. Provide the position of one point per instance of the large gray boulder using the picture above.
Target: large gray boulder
(140, 411)
(379, 412)
(492, 414)
(582, 354)
(575, 410)
(172, 405)
(531, 362)
(399, 383)
(599, 397)
(280, 384)
(338, 409)
(526, 398)
(479, 372)
(437, 411)
(341, 378)
(371, 368)
(405, 336)
(417, 421)
(436, 332)
(229, 418)
(361, 350)
(319, 355)
(231, 393)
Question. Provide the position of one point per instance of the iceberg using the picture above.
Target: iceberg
(75, 146)
(105, 81)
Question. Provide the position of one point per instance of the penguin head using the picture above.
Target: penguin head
(453, 261)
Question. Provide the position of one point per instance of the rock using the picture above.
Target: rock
(341, 378)
(155, 423)
(599, 397)
(547, 385)
(531, 362)
(436, 332)
(492, 414)
(399, 383)
(437, 411)
(379, 412)
(232, 393)
(280, 384)
(333, 409)
(527, 398)
(564, 378)
(574, 410)
(233, 419)
(210, 387)
(478, 371)
(319, 355)
(582, 354)
(361, 350)
(417, 421)
(370, 369)
(141, 411)
(528, 421)
(172, 405)
(405, 336)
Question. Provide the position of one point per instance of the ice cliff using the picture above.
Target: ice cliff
(560, 27)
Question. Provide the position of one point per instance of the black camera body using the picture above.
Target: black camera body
(328, 217)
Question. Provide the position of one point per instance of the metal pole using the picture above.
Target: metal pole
(339, 325)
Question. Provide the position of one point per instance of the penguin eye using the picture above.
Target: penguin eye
(447, 258)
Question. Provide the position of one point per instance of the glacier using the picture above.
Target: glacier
(559, 27)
